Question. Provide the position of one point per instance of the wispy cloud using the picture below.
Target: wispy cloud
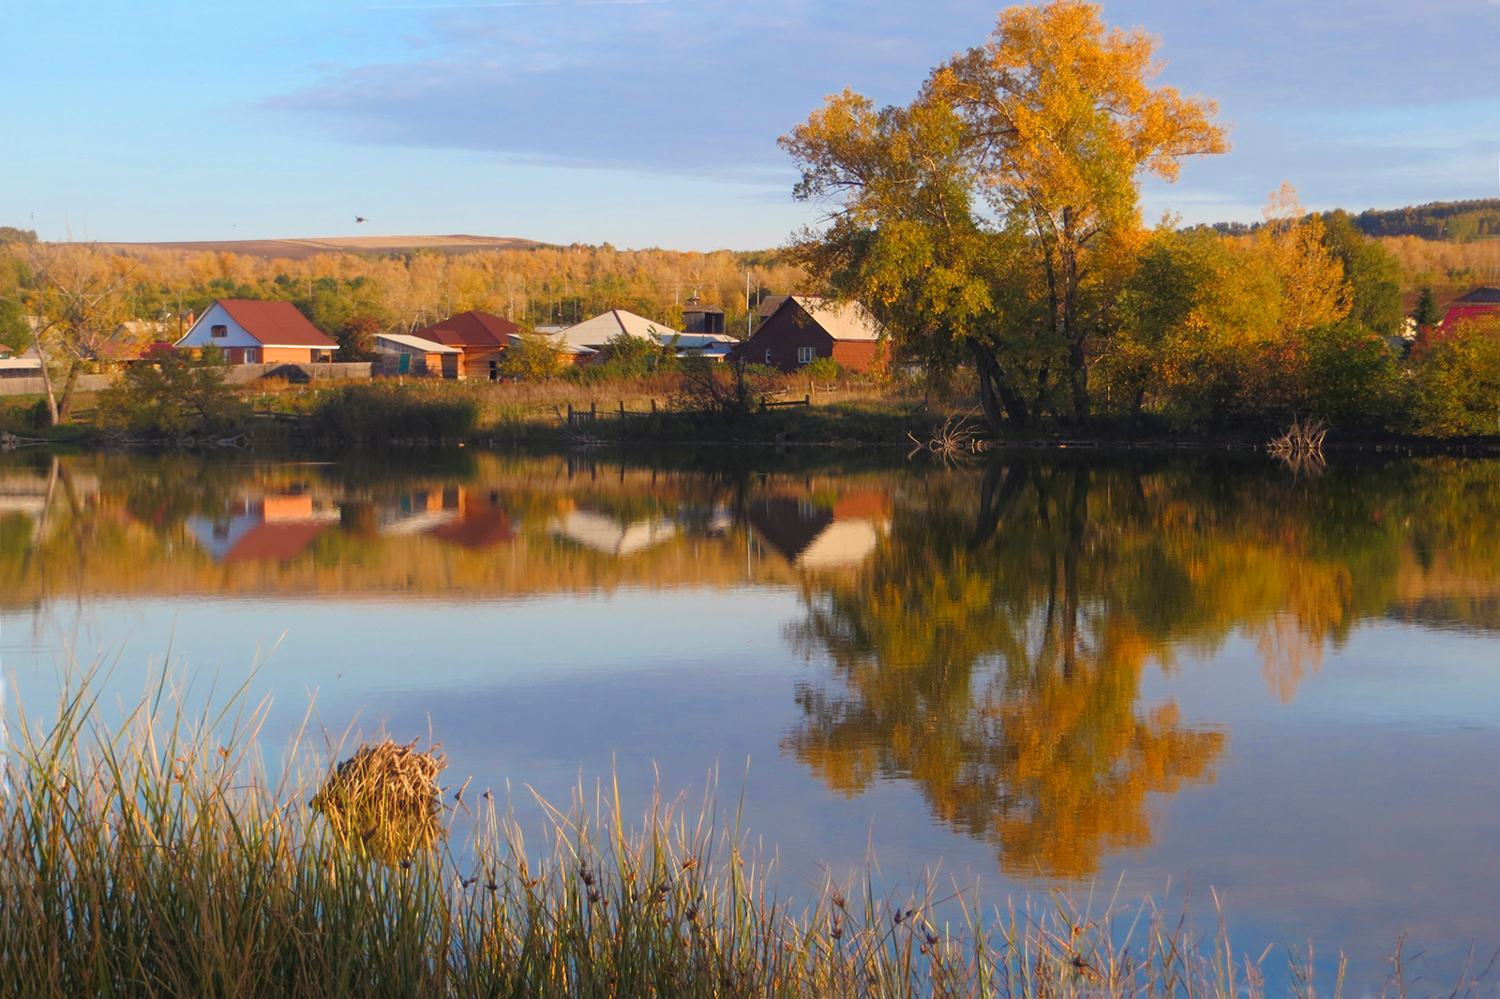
(705, 86)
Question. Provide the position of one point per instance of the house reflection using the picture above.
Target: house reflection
(272, 528)
(818, 534)
(611, 535)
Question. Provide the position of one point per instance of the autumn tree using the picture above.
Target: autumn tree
(1373, 273)
(356, 338)
(907, 241)
(81, 303)
(1064, 123)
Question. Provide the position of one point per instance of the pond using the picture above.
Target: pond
(1106, 673)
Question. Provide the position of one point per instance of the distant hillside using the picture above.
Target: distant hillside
(301, 249)
(1454, 221)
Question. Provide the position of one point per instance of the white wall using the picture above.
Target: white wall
(215, 315)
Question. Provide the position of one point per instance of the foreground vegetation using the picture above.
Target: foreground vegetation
(160, 858)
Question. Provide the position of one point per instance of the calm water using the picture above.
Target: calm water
(1045, 672)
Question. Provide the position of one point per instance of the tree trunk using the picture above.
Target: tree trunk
(36, 340)
(994, 391)
(64, 408)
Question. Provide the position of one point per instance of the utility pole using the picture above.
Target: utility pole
(749, 311)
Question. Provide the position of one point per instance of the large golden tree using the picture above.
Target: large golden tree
(1053, 122)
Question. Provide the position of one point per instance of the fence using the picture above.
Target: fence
(577, 416)
(36, 386)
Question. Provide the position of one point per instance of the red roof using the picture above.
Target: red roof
(273, 542)
(1461, 312)
(483, 330)
(276, 324)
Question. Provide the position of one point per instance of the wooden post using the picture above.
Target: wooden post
(622, 409)
(653, 407)
(593, 410)
(807, 400)
(570, 414)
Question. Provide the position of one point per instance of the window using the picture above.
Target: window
(252, 356)
(768, 357)
(804, 355)
(494, 371)
(219, 332)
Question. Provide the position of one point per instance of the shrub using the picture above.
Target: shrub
(530, 357)
(383, 414)
(729, 388)
(173, 394)
(1456, 376)
(824, 369)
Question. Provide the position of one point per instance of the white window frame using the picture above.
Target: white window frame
(805, 355)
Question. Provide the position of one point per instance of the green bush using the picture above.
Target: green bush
(173, 395)
(1456, 379)
(381, 413)
(1354, 378)
(530, 357)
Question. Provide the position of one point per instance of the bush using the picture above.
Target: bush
(173, 395)
(730, 388)
(823, 369)
(1456, 376)
(1353, 377)
(385, 414)
(530, 357)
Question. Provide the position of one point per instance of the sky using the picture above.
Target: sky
(654, 122)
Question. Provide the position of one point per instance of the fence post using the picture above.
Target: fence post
(570, 414)
(622, 409)
(653, 407)
(807, 400)
(593, 410)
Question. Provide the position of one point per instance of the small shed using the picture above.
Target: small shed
(400, 354)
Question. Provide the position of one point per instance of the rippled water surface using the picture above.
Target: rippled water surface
(1042, 672)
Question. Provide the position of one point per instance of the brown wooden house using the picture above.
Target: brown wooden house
(803, 328)
(481, 336)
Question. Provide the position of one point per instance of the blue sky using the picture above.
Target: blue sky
(653, 122)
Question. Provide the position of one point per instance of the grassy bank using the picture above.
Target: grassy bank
(159, 857)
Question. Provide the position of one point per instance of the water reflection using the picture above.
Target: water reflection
(983, 636)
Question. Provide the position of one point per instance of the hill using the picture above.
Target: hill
(301, 249)
(1454, 221)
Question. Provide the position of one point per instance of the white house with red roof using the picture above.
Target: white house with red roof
(253, 332)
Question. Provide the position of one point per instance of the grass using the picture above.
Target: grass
(158, 857)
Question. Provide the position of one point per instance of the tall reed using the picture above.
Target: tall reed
(160, 857)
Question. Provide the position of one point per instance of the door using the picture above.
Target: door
(403, 364)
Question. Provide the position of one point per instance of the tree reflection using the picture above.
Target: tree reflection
(993, 655)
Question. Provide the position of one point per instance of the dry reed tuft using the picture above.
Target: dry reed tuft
(385, 800)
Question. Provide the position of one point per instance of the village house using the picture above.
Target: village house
(1481, 301)
(481, 337)
(803, 328)
(399, 354)
(591, 335)
(253, 332)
